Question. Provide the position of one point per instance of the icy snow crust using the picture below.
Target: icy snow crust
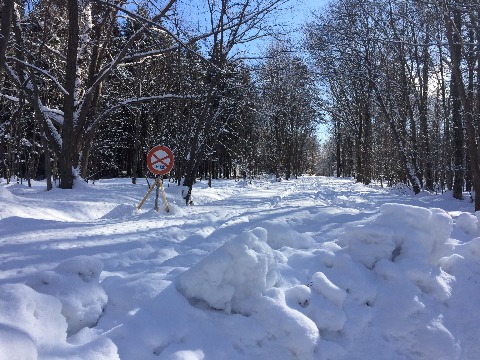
(314, 268)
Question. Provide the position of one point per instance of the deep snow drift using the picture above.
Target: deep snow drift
(314, 268)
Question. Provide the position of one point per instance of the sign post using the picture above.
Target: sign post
(159, 162)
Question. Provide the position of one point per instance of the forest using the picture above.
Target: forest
(89, 86)
(401, 82)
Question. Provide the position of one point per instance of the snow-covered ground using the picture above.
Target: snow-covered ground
(314, 268)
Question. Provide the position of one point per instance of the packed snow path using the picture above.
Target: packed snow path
(314, 268)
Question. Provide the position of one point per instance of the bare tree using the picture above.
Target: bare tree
(288, 108)
(232, 23)
(378, 61)
(465, 45)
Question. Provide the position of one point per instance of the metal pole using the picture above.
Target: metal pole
(157, 192)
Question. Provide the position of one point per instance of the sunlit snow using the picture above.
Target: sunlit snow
(313, 268)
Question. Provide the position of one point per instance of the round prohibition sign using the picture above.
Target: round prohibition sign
(160, 160)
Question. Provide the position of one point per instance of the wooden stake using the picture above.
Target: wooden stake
(147, 195)
(157, 192)
(167, 209)
(158, 183)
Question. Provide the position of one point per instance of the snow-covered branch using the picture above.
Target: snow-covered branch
(140, 100)
(42, 71)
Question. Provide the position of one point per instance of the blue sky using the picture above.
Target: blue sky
(301, 10)
(293, 15)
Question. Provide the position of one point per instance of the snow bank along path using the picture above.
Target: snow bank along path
(314, 268)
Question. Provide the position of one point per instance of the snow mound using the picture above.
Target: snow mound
(120, 211)
(328, 289)
(233, 277)
(5, 194)
(186, 355)
(280, 235)
(288, 334)
(467, 223)
(401, 251)
(401, 232)
(32, 327)
(325, 304)
(75, 282)
(28, 320)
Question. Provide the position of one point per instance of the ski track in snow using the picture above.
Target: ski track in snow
(144, 252)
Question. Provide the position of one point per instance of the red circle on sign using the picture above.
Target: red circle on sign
(160, 160)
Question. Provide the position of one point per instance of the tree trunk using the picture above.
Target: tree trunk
(338, 153)
(68, 148)
(6, 25)
(47, 163)
(367, 143)
(424, 131)
(85, 155)
(466, 98)
(359, 149)
(458, 143)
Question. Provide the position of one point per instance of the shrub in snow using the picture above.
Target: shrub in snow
(75, 282)
(233, 277)
(28, 320)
